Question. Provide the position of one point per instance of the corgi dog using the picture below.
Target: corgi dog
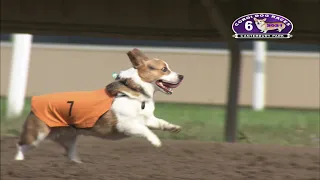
(122, 109)
(264, 26)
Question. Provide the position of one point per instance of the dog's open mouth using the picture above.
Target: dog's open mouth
(167, 87)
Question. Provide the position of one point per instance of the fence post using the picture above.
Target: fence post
(21, 50)
(260, 51)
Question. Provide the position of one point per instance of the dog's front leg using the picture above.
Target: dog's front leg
(139, 130)
(160, 124)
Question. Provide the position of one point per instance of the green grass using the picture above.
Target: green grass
(205, 122)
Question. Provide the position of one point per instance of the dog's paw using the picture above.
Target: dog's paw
(76, 160)
(73, 156)
(156, 142)
(174, 128)
(19, 157)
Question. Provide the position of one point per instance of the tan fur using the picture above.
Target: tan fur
(149, 70)
(124, 85)
(136, 57)
(31, 127)
(105, 127)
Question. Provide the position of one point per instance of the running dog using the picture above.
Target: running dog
(122, 109)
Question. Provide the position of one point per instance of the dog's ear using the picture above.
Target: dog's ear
(137, 57)
(255, 19)
(264, 19)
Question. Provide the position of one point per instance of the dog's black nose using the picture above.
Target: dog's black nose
(180, 76)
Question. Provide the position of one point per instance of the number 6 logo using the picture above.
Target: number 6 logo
(248, 25)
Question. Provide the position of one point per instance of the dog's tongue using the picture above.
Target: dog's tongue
(168, 85)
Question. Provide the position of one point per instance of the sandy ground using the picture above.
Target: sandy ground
(136, 159)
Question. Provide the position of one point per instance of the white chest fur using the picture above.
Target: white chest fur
(127, 109)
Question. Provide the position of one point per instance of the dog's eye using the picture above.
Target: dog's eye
(164, 69)
(151, 68)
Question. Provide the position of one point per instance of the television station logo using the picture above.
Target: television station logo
(262, 26)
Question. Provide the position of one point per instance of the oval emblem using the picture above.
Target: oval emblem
(261, 26)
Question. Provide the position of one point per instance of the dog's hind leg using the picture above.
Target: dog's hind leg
(33, 132)
(70, 145)
(72, 150)
(67, 138)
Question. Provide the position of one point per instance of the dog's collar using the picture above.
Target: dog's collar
(143, 103)
(125, 81)
(128, 83)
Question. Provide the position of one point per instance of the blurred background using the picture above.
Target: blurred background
(75, 63)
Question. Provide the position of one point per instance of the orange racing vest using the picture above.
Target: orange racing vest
(80, 109)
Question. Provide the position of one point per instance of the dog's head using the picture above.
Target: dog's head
(154, 71)
(259, 22)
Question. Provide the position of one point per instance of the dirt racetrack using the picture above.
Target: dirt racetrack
(136, 159)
